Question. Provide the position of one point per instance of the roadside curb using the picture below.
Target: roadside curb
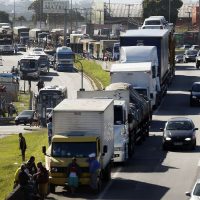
(32, 129)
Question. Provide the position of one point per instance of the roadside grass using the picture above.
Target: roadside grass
(94, 71)
(11, 159)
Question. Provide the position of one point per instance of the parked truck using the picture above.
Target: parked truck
(163, 40)
(80, 127)
(141, 114)
(17, 30)
(121, 111)
(139, 67)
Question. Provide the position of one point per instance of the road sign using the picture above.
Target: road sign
(58, 6)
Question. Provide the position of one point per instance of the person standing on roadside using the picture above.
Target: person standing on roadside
(40, 84)
(31, 166)
(42, 180)
(94, 167)
(22, 146)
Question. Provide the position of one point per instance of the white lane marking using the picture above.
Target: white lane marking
(109, 184)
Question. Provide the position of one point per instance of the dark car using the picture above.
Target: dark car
(179, 132)
(25, 117)
(190, 56)
(179, 58)
(195, 94)
(21, 47)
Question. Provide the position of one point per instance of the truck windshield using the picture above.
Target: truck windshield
(65, 56)
(73, 149)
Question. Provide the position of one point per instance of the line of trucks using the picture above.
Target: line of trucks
(110, 122)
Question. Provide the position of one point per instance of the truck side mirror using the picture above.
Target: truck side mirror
(44, 150)
(105, 149)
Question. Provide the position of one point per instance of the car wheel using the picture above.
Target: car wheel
(197, 66)
(24, 123)
(16, 123)
(164, 147)
(191, 103)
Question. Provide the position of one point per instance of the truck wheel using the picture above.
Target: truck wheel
(107, 173)
(131, 147)
(52, 188)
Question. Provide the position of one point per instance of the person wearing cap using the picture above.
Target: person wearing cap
(94, 167)
(22, 145)
(73, 173)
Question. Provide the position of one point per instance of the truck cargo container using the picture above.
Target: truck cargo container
(80, 127)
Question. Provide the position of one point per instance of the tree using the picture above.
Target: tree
(4, 17)
(161, 8)
(21, 19)
(37, 6)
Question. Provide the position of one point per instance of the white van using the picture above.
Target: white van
(156, 20)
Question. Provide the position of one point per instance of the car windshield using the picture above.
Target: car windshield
(197, 190)
(152, 22)
(73, 149)
(191, 52)
(179, 125)
(27, 112)
(196, 88)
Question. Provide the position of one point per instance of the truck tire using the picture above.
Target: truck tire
(131, 148)
(52, 188)
(107, 173)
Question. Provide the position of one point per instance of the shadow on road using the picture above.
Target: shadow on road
(131, 189)
(183, 83)
(184, 68)
(156, 125)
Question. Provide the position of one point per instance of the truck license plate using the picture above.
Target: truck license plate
(178, 143)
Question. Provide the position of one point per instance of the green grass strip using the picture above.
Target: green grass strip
(11, 159)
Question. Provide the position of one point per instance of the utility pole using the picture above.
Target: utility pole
(169, 11)
(71, 17)
(199, 23)
(109, 9)
(65, 27)
(14, 14)
(40, 12)
(128, 15)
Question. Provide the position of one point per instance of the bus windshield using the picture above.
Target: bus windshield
(28, 64)
(5, 42)
(73, 149)
(50, 98)
(65, 56)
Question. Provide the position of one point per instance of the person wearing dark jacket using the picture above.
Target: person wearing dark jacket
(22, 145)
(31, 166)
(40, 84)
(42, 180)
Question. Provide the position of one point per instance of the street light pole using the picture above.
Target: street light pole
(14, 14)
(169, 10)
(65, 27)
(78, 61)
(199, 23)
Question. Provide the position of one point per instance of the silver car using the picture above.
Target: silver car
(179, 132)
(195, 194)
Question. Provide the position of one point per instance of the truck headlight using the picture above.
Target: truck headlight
(194, 97)
(187, 139)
